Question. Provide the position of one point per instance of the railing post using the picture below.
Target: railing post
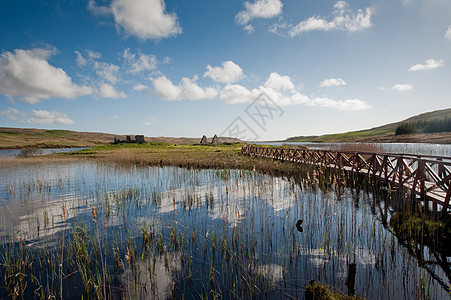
(422, 177)
(446, 203)
(400, 167)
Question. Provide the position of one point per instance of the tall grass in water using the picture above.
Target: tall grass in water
(112, 231)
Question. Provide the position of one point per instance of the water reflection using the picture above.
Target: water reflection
(396, 148)
(14, 153)
(168, 232)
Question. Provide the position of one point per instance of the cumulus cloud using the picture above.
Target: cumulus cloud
(448, 33)
(140, 87)
(28, 75)
(37, 116)
(332, 82)
(278, 87)
(428, 65)
(343, 19)
(139, 62)
(107, 71)
(108, 91)
(402, 87)
(279, 83)
(187, 89)
(145, 19)
(229, 73)
(265, 9)
(283, 92)
(235, 93)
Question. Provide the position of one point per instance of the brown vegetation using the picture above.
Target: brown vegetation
(18, 138)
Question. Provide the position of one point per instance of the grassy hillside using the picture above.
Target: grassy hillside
(16, 138)
(381, 133)
(21, 138)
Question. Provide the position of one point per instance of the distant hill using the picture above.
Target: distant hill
(386, 133)
(16, 138)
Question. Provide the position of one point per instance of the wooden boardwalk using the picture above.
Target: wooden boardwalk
(427, 177)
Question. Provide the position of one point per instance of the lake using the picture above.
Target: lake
(162, 232)
(15, 152)
(398, 148)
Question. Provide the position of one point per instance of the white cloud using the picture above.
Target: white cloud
(145, 19)
(106, 71)
(94, 55)
(283, 92)
(279, 28)
(278, 82)
(428, 65)
(229, 73)
(332, 82)
(277, 87)
(37, 116)
(344, 19)
(402, 87)
(81, 61)
(165, 89)
(235, 93)
(152, 121)
(28, 75)
(98, 10)
(348, 104)
(140, 87)
(108, 91)
(49, 117)
(265, 9)
(249, 28)
(139, 62)
(448, 33)
(187, 89)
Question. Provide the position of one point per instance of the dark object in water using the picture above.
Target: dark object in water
(298, 225)
(350, 282)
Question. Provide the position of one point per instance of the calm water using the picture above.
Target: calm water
(398, 148)
(169, 231)
(15, 152)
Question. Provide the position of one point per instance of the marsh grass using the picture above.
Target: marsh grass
(123, 229)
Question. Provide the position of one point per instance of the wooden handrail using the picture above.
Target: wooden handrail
(415, 172)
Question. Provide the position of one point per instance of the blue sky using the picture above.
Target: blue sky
(257, 69)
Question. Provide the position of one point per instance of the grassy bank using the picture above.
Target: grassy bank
(222, 156)
(386, 133)
(19, 138)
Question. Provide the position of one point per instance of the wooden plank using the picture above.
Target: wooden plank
(402, 170)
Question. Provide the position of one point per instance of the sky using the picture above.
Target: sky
(256, 70)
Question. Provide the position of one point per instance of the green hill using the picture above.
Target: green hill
(18, 138)
(381, 133)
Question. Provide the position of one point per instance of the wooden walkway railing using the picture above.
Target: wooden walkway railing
(427, 177)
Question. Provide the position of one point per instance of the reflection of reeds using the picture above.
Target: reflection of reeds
(172, 232)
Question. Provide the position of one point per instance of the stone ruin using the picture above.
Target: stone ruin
(214, 141)
(139, 139)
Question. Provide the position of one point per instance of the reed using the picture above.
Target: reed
(130, 230)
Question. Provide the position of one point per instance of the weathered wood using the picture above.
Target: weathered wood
(427, 177)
